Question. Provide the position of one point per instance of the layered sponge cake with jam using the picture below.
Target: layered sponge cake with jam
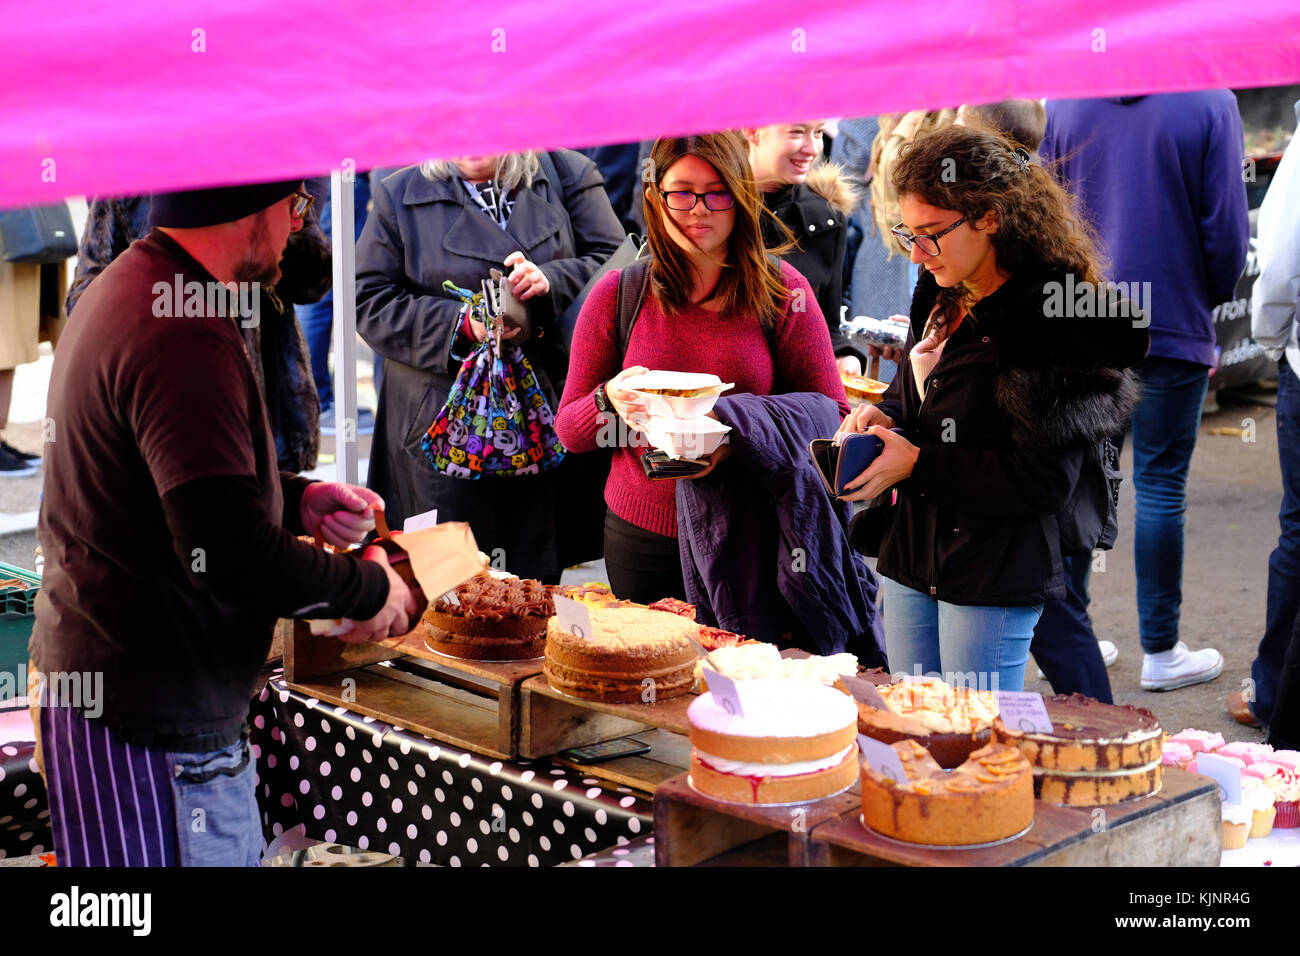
(796, 741)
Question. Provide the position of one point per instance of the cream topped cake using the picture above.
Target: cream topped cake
(795, 742)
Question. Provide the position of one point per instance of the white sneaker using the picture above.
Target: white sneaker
(1109, 652)
(1109, 655)
(1179, 667)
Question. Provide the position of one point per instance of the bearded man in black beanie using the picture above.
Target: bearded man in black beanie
(170, 541)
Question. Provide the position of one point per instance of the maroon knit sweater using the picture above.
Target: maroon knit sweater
(731, 347)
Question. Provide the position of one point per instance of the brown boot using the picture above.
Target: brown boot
(1239, 708)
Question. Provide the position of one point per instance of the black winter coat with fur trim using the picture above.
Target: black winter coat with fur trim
(1013, 401)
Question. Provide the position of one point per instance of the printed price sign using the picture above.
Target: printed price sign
(573, 616)
(883, 758)
(1225, 773)
(864, 691)
(420, 522)
(724, 692)
(1023, 710)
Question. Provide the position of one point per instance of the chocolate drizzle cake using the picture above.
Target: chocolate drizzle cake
(493, 620)
(1096, 754)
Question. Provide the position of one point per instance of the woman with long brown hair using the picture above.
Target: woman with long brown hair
(1005, 384)
(716, 303)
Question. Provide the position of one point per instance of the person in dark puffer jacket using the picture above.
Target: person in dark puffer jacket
(813, 200)
(1004, 387)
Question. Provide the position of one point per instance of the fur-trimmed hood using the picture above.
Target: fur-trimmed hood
(1063, 381)
(828, 181)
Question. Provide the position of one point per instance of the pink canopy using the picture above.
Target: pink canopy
(107, 99)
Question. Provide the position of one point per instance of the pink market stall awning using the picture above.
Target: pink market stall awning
(106, 98)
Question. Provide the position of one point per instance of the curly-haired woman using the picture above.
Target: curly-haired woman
(1005, 385)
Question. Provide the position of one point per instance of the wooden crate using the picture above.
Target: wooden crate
(470, 704)
(691, 829)
(1179, 826)
(553, 721)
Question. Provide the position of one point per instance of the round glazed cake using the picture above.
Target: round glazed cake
(988, 797)
(950, 723)
(495, 620)
(631, 652)
(1096, 754)
(795, 742)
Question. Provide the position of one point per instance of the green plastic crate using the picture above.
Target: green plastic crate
(17, 614)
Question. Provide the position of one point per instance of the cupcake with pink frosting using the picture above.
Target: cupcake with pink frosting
(1201, 741)
(1285, 787)
(1246, 752)
(1174, 754)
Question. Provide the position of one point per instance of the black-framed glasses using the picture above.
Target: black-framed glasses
(682, 200)
(300, 204)
(927, 244)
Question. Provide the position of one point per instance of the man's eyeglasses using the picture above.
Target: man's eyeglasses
(927, 244)
(300, 204)
(684, 201)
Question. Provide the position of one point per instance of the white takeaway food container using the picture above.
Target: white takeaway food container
(677, 406)
(686, 437)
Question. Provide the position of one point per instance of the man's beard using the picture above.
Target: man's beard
(260, 263)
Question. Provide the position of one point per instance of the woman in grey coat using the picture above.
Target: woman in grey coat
(458, 220)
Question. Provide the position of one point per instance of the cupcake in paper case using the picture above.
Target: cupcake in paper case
(1236, 826)
(1174, 754)
(1246, 752)
(1201, 741)
(1258, 799)
(1284, 784)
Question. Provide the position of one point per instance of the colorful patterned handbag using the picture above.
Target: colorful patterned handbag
(496, 420)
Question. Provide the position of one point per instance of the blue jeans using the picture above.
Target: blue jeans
(317, 318)
(217, 820)
(1164, 435)
(981, 647)
(1284, 563)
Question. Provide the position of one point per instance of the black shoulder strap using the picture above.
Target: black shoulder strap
(633, 284)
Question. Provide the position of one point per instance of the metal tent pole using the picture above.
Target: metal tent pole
(345, 326)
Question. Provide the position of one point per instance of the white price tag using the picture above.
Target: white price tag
(1024, 710)
(724, 692)
(883, 758)
(420, 522)
(1225, 773)
(573, 616)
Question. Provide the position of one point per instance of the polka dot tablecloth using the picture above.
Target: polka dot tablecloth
(361, 782)
(24, 811)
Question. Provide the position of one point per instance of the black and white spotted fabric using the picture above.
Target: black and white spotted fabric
(24, 810)
(360, 782)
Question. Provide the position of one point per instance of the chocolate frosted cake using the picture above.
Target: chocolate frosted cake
(492, 620)
(1096, 754)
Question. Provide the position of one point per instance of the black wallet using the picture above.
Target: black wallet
(658, 466)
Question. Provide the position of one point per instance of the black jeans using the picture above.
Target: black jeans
(642, 566)
(1065, 646)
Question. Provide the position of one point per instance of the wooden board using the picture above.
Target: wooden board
(1179, 826)
(470, 704)
(669, 755)
(553, 721)
(691, 828)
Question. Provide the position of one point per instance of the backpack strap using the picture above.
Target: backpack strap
(633, 283)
